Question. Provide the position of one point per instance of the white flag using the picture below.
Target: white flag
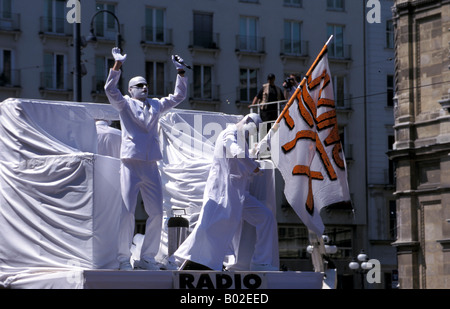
(307, 149)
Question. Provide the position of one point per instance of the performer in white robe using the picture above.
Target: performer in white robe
(140, 152)
(226, 202)
(109, 139)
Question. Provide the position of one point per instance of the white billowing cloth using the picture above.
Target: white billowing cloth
(60, 200)
(50, 214)
(109, 139)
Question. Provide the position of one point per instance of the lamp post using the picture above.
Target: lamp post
(92, 38)
(360, 265)
(77, 47)
(77, 60)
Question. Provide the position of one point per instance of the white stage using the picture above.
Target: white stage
(143, 279)
(60, 201)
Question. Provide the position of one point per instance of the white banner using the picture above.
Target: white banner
(307, 149)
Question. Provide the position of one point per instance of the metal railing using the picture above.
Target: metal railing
(249, 43)
(51, 81)
(294, 48)
(156, 35)
(9, 21)
(10, 78)
(204, 39)
(58, 26)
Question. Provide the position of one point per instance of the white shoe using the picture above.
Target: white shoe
(263, 267)
(170, 266)
(148, 265)
(125, 266)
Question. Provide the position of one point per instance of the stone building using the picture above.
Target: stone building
(422, 143)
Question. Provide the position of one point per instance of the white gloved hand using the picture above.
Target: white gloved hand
(117, 55)
(177, 60)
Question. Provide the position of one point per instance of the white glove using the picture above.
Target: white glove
(177, 61)
(117, 55)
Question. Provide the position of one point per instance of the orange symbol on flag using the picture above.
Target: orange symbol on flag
(308, 112)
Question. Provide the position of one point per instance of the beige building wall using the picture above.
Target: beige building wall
(422, 143)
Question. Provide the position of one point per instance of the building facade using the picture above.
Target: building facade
(232, 46)
(422, 143)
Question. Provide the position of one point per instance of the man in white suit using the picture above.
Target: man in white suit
(140, 152)
(226, 203)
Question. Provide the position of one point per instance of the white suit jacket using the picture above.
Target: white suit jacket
(139, 120)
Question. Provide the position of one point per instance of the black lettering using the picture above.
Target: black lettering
(237, 281)
(223, 281)
(252, 281)
(204, 281)
(186, 281)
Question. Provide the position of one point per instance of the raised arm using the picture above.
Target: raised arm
(114, 95)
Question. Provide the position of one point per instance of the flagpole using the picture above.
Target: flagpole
(302, 83)
(292, 98)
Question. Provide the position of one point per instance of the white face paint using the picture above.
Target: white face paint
(139, 93)
(138, 88)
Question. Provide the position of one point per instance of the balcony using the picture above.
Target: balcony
(10, 78)
(10, 24)
(106, 35)
(206, 97)
(247, 45)
(156, 37)
(55, 28)
(294, 50)
(204, 41)
(340, 53)
(56, 86)
(10, 83)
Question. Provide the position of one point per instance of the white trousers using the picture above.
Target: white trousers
(210, 241)
(135, 176)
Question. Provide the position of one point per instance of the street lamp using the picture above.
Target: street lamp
(92, 38)
(361, 261)
(77, 46)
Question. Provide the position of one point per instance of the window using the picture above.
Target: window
(293, 241)
(390, 90)
(248, 84)
(102, 66)
(337, 44)
(154, 74)
(292, 37)
(203, 30)
(393, 219)
(154, 25)
(389, 34)
(248, 33)
(391, 169)
(105, 23)
(297, 3)
(54, 16)
(339, 91)
(6, 9)
(5, 67)
(337, 5)
(202, 82)
(54, 71)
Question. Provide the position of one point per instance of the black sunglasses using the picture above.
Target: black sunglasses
(141, 85)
